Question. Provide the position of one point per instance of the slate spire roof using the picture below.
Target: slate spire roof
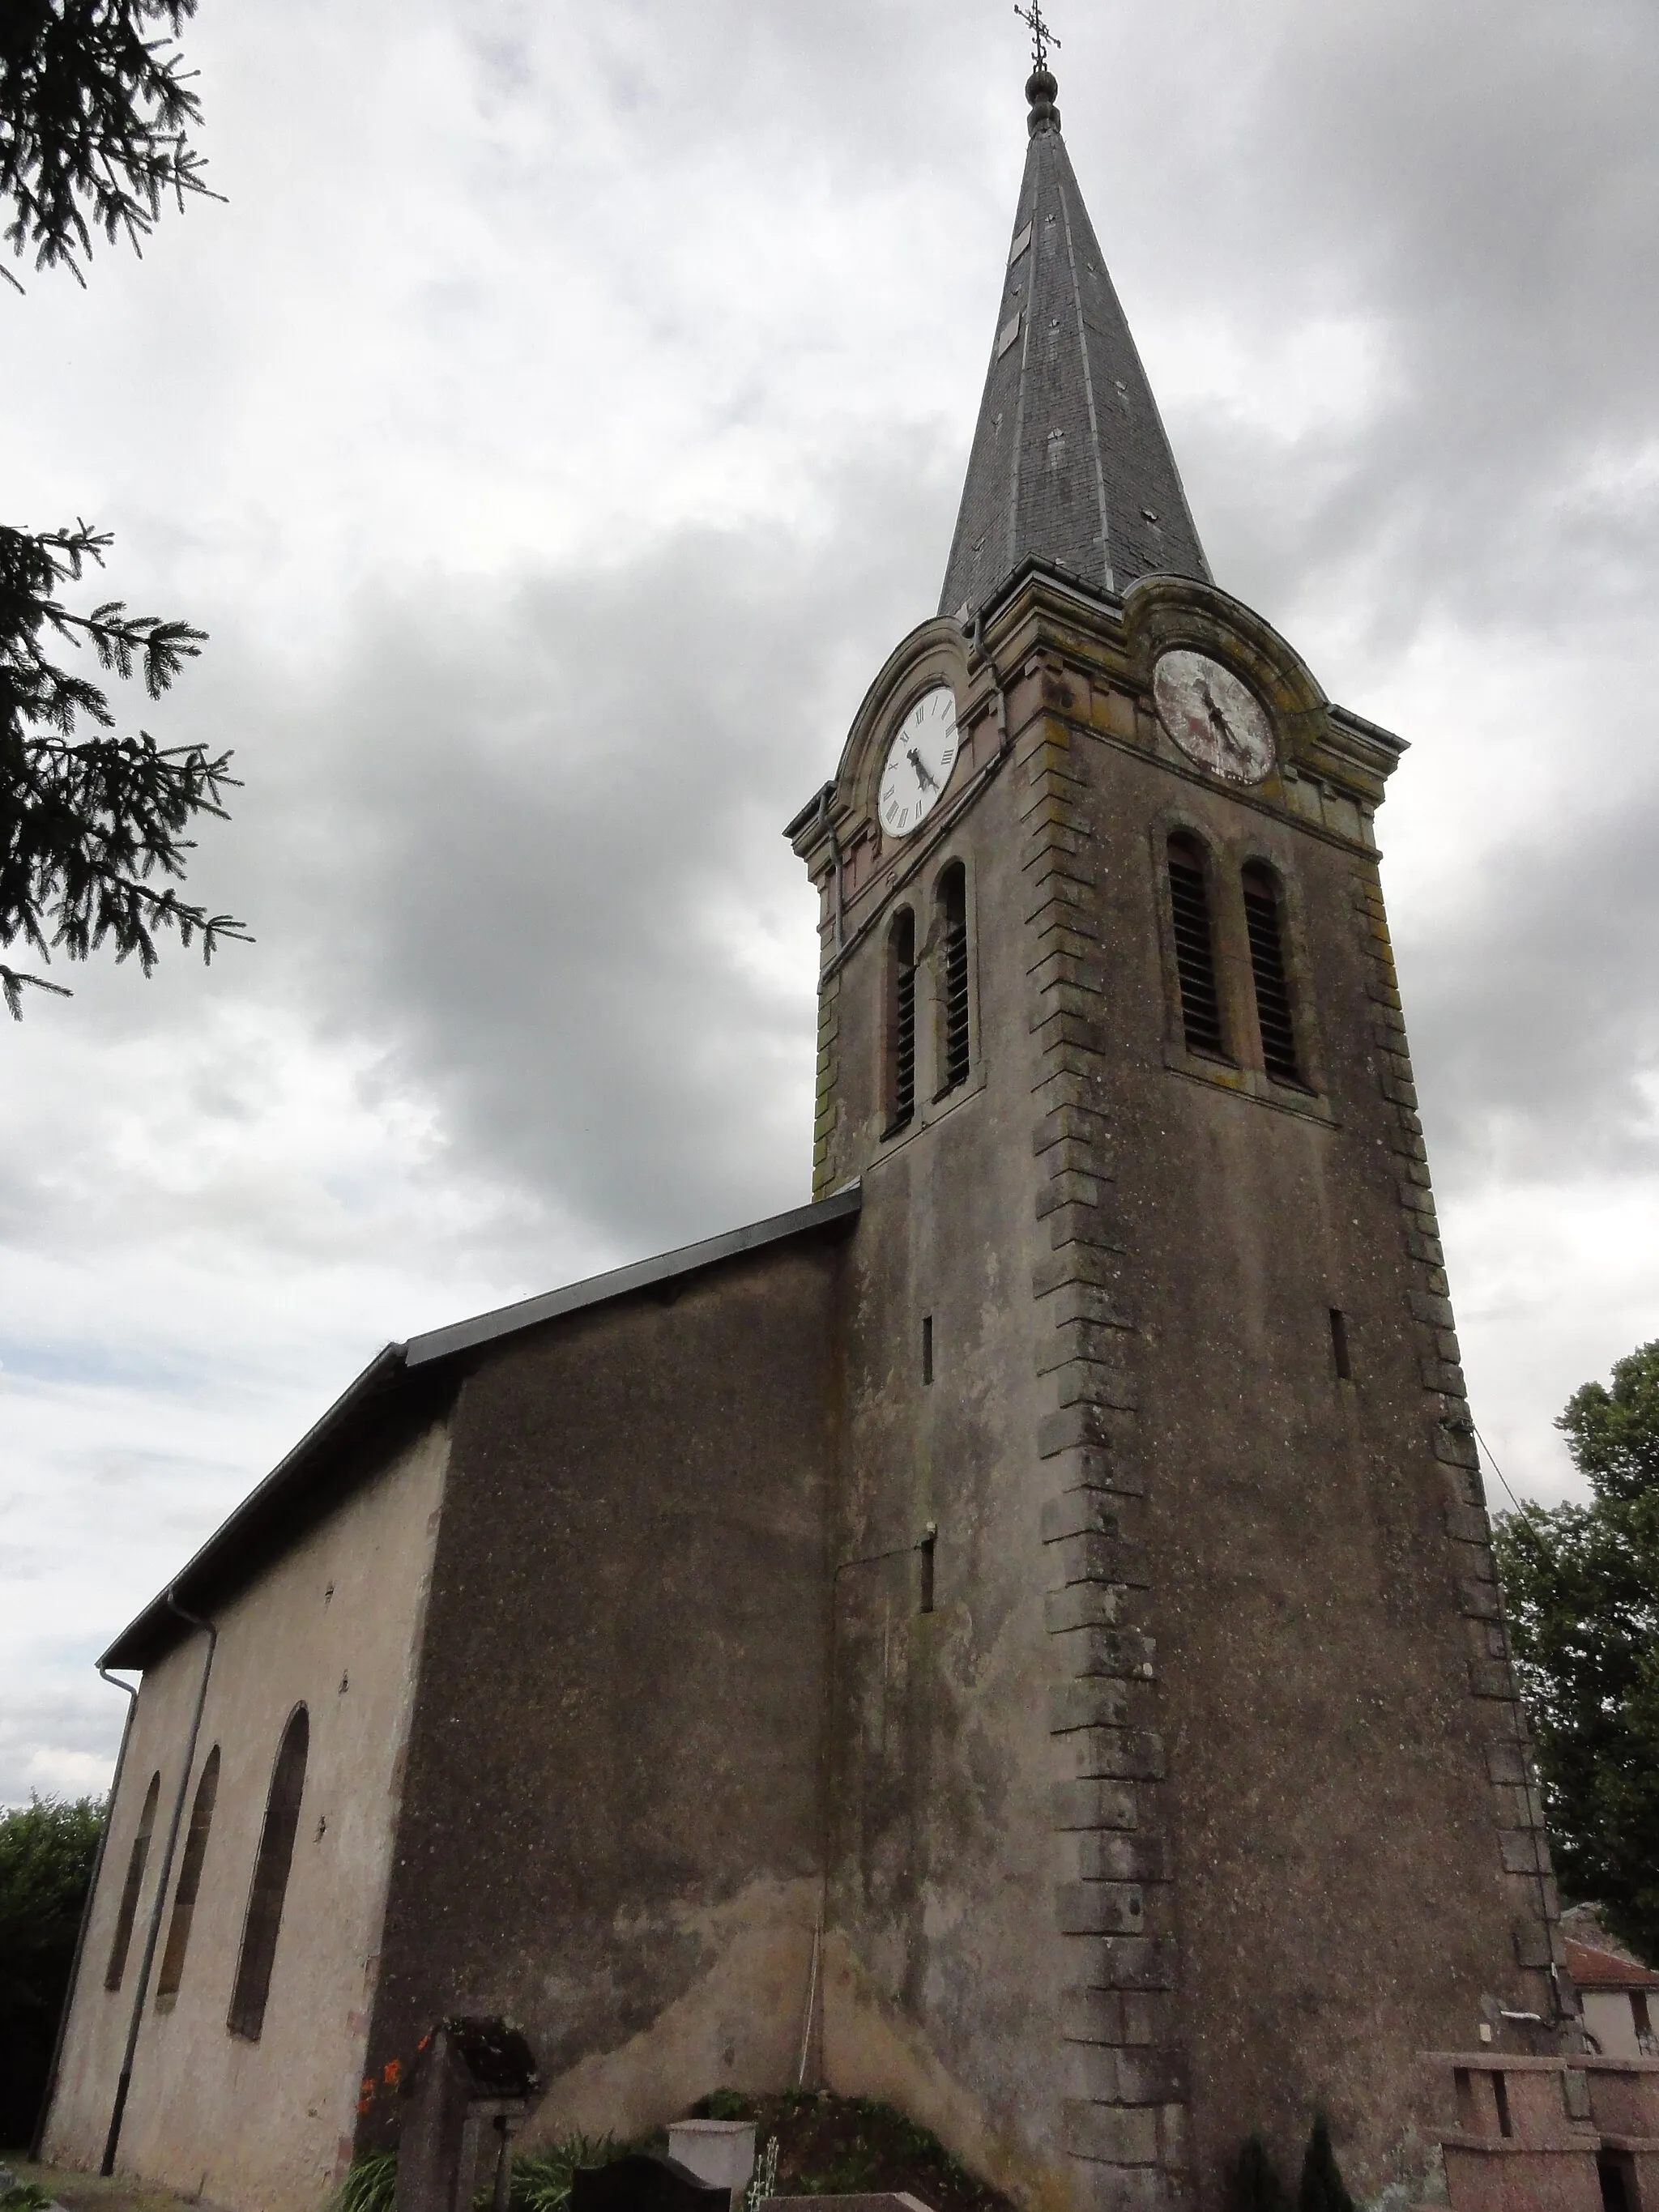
(1070, 462)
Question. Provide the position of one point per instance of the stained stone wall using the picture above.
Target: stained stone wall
(1202, 1799)
(613, 1824)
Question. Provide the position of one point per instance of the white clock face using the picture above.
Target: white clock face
(1215, 718)
(919, 762)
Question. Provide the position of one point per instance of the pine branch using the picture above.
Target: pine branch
(94, 124)
(88, 823)
(13, 984)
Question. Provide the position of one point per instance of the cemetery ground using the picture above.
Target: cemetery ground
(827, 2146)
(87, 2192)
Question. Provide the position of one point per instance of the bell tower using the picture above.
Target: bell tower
(1176, 1787)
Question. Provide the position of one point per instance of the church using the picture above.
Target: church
(1016, 1636)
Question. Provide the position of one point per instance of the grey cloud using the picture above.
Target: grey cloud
(59, 1741)
(547, 876)
(510, 840)
(1535, 1016)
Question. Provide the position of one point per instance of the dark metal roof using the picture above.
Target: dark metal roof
(404, 1385)
(484, 1328)
(1069, 462)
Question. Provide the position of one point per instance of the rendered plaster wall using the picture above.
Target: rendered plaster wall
(1611, 2020)
(334, 1624)
(612, 1825)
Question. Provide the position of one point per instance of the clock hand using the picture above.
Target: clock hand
(1219, 722)
(921, 767)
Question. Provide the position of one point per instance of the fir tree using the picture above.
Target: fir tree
(95, 109)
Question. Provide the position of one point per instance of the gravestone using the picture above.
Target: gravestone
(470, 2085)
(640, 2183)
(720, 2153)
(877, 2200)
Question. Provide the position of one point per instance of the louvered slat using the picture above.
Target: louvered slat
(1273, 989)
(953, 902)
(1201, 1003)
(902, 970)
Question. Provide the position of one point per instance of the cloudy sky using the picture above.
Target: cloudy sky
(554, 429)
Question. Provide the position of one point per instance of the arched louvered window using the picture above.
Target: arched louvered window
(1194, 945)
(265, 1904)
(954, 1027)
(1265, 924)
(900, 1079)
(136, 1860)
(190, 1882)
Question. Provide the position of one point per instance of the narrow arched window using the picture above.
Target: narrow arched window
(1265, 924)
(1194, 946)
(265, 1904)
(190, 1882)
(900, 1020)
(137, 1859)
(953, 1031)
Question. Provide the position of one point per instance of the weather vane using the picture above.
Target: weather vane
(1041, 37)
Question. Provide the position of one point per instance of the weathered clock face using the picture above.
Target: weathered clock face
(919, 762)
(1213, 716)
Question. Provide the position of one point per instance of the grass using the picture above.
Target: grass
(541, 2178)
(370, 2185)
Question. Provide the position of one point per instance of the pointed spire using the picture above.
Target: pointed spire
(1070, 463)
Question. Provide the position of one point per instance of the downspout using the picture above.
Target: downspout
(125, 2083)
(50, 2089)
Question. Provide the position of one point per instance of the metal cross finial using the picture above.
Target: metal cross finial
(1041, 37)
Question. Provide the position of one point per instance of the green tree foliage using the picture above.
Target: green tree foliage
(94, 107)
(1581, 1585)
(47, 1854)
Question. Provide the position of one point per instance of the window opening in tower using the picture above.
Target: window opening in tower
(1195, 942)
(901, 1021)
(953, 916)
(1272, 988)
